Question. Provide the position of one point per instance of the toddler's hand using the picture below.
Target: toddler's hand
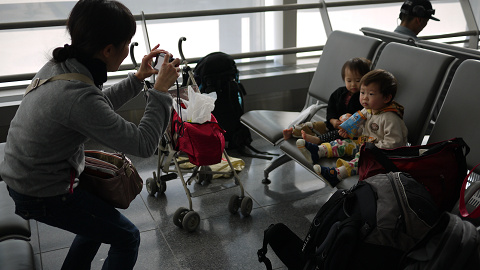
(343, 133)
(335, 123)
(344, 117)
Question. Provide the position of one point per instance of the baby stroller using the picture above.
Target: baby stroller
(179, 139)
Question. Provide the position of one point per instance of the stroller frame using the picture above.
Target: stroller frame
(186, 217)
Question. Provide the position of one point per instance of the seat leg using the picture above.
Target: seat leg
(273, 165)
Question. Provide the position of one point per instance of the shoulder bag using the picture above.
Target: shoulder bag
(112, 177)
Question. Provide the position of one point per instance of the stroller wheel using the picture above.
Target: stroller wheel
(204, 175)
(162, 186)
(234, 204)
(179, 215)
(246, 206)
(151, 186)
(191, 221)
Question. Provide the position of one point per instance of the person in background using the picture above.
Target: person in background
(44, 150)
(414, 16)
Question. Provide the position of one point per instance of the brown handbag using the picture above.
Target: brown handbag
(112, 177)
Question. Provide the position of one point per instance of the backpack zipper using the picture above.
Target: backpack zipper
(400, 223)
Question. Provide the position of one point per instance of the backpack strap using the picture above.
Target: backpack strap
(66, 77)
(261, 253)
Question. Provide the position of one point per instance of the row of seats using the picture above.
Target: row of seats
(421, 73)
(460, 53)
(16, 252)
(340, 46)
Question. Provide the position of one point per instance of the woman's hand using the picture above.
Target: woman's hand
(167, 74)
(146, 69)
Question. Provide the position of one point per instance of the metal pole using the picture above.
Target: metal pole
(325, 18)
(471, 23)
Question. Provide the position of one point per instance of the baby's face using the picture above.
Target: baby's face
(352, 81)
(372, 98)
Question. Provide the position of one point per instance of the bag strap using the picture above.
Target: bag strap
(261, 253)
(381, 157)
(439, 146)
(462, 206)
(462, 144)
(65, 77)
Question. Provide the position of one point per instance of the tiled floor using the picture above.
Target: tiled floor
(222, 240)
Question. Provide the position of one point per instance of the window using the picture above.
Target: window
(26, 50)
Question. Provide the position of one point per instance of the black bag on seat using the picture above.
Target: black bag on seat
(217, 72)
(369, 226)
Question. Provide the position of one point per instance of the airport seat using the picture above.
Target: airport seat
(16, 254)
(459, 52)
(421, 74)
(388, 36)
(459, 111)
(15, 249)
(340, 47)
(458, 117)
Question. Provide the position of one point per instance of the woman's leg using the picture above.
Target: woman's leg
(92, 220)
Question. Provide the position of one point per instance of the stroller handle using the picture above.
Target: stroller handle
(180, 48)
(132, 56)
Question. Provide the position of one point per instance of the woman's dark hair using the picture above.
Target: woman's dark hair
(385, 80)
(94, 24)
(357, 64)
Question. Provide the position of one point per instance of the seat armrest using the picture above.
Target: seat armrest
(11, 224)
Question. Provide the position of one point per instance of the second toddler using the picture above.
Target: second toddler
(342, 101)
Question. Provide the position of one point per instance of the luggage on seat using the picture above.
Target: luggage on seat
(452, 243)
(439, 166)
(369, 226)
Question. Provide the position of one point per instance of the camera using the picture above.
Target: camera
(157, 63)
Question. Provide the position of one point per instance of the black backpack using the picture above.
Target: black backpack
(217, 72)
(369, 226)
